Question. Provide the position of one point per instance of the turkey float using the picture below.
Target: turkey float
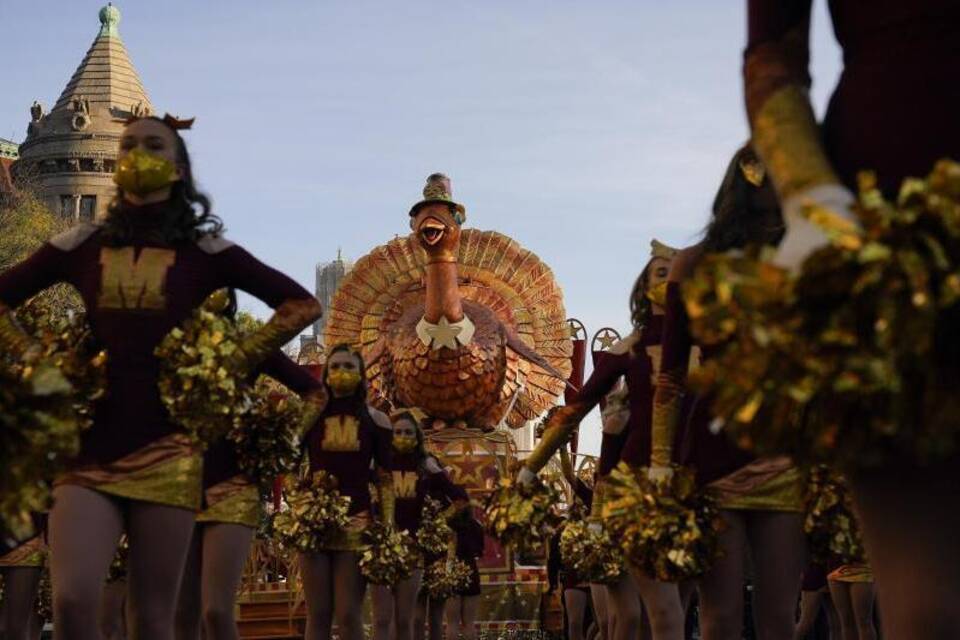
(466, 325)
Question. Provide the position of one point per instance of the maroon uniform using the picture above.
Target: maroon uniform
(470, 545)
(415, 478)
(134, 295)
(348, 439)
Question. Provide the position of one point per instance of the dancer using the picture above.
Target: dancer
(636, 360)
(416, 475)
(348, 440)
(20, 570)
(854, 594)
(891, 49)
(225, 529)
(760, 499)
(462, 607)
(574, 593)
(156, 257)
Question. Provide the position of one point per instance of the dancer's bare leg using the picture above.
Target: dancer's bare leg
(576, 604)
(435, 610)
(85, 527)
(598, 594)
(469, 606)
(381, 600)
(810, 602)
(348, 591)
(187, 624)
(405, 604)
(661, 601)
(225, 551)
(453, 612)
(863, 596)
(624, 603)
(317, 573)
(112, 621)
(420, 616)
(778, 547)
(721, 588)
(19, 595)
(911, 539)
(159, 541)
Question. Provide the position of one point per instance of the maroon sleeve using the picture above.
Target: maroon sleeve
(40, 271)
(611, 450)
(440, 484)
(583, 492)
(608, 369)
(241, 270)
(289, 374)
(383, 448)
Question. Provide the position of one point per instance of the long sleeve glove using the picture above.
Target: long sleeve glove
(287, 322)
(559, 428)
(388, 498)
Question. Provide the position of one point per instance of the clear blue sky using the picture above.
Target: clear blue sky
(582, 129)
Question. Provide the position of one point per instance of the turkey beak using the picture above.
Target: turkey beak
(432, 231)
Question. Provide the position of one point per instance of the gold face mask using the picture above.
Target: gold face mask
(141, 172)
(657, 294)
(343, 382)
(404, 444)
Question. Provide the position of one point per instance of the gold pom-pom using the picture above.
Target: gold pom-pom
(667, 529)
(830, 524)
(312, 512)
(434, 533)
(199, 382)
(267, 440)
(854, 359)
(445, 577)
(521, 517)
(387, 556)
(118, 567)
(590, 554)
(46, 399)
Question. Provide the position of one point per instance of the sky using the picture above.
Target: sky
(580, 128)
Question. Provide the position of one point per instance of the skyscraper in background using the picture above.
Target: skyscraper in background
(329, 276)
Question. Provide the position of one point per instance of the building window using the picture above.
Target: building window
(68, 207)
(88, 207)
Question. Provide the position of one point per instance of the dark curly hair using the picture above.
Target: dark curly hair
(187, 214)
(743, 213)
(640, 306)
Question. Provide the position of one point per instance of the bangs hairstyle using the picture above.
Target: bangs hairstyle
(188, 211)
(738, 219)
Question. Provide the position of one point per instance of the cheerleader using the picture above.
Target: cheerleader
(761, 499)
(628, 438)
(349, 439)
(416, 475)
(225, 528)
(157, 256)
(893, 112)
(462, 607)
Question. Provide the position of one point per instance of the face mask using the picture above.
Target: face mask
(344, 382)
(657, 294)
(404, 444)
(141, 172)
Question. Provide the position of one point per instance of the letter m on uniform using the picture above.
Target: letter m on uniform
(129, 281)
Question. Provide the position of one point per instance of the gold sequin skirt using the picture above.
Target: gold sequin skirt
(766, 484)
(32, 553)
(860, 572)
(233, 501)
(168, 471)
(349, 538)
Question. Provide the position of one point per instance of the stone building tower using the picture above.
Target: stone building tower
(328, 280)
(71, 151)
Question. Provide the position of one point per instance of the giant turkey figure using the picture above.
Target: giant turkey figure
(464, 324)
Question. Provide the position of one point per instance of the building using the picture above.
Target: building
(329, 276)
(70, 153)
(9, 152)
